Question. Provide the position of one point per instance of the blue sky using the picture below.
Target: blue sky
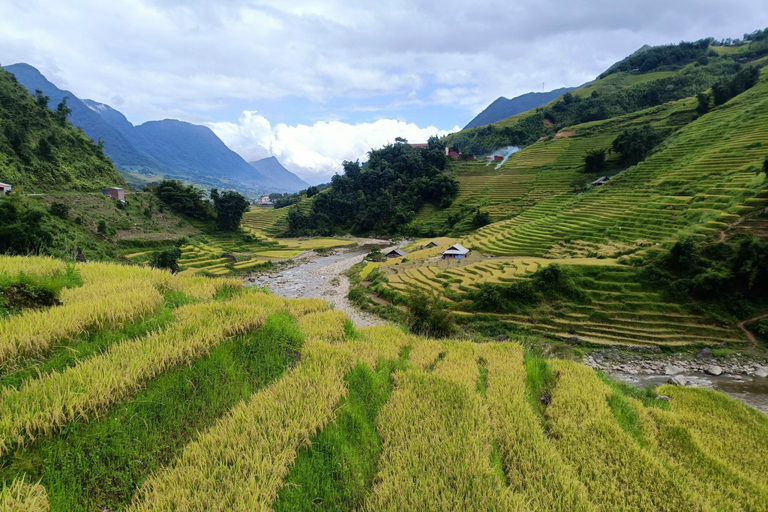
(315, 82)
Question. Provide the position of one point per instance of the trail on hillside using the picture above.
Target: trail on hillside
(751, 336)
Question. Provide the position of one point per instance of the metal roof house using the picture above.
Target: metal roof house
(395, 253)
(5, 189)
(432, 244)
(456, 251)
(600, 181)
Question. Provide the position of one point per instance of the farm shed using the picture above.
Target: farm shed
(432, 244)
(456, 251)
(600, 181)
(5, 189)
(115, 193)
(395, 253)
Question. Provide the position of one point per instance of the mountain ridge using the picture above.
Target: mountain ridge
(502, 107)
(169, 148)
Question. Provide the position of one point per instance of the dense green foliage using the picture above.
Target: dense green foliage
(41, 150)
(23, 226)
(99, 464)
(727, 89)
(337, 472)
(186, 200)
(551, 283)
(594, 160)
(230, 207)
(429, 317)
(168, 259)
(382, 197)
(637, 142)
(662, 57)
(733, 275)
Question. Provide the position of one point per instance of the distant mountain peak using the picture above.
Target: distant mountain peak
(502, 108)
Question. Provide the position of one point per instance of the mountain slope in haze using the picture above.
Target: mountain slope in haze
(278, 176)
(167, 148)
(116, 146)
(40, 151)
(503, 107)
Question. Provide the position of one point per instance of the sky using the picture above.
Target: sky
(316, 82)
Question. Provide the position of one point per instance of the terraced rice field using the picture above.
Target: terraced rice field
(618, 309)
(680, 189)
(244, 401)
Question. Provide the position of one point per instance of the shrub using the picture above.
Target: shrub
(429, 317)
(167, 259)
(594, 160)
(636, 143)
(59, 210)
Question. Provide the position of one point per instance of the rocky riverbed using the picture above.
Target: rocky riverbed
(322, 277)
(742, 376)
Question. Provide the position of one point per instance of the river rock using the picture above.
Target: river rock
(678, 380)
(671, 369)
(705, 353)
(662, 397)
(762, 371)
(714, 370)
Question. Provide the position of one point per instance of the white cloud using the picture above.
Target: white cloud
(315, 152)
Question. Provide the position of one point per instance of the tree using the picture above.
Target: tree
(429, 317)
(23, 227)
(59, 210)
(167, 259)
(230, 207)
(63, 111)
(765, 166)
(703, 106)
(40, 99)
(311, 191)
(636, 143)
(594, 160)
(481, 219)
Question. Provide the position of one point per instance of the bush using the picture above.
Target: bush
(59, 210)
(167, 259)
(481, 219)
(429, 317)
(23, 227)
(594, 160)
(101, 227)
(636, 143)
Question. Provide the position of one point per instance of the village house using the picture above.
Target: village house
(432, 244)
(456, 251)
(600, 181)
(5, 189)
(395, 253)
(115, 193)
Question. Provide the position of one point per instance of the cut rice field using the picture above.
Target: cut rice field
(246, 401)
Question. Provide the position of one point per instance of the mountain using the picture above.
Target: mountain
(278, 176)
(116, 146)
(503, 107)
(42, 151)
(168, 148)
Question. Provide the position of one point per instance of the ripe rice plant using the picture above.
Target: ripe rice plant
(44, 405)
(426, 353)
(239, 464)
(437, 450)
(35, 265)
(532, 464)
(326, 325)
(611, 464)
(379, 343)
(20, 496)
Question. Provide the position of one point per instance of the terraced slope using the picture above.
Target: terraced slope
(247, 401)
(704, 176)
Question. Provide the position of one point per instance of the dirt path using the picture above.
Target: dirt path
(322, 278)
(751, 336)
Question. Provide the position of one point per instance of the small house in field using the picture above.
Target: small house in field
(115, 193)
(456, 251)
(498, 158)
(419, 145)
(600, 181)
(432, 244)
(395, 253)
(5, 189)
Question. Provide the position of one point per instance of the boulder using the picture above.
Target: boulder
(573, 340)
(705, 353)
(714, 370)
(503, 337)
(662, 397)
(671, 369)
(678, 380)
(762, 371)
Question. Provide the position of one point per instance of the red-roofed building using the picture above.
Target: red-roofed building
(419, 145)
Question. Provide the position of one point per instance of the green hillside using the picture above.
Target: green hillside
(41, 151)
(702, 181)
